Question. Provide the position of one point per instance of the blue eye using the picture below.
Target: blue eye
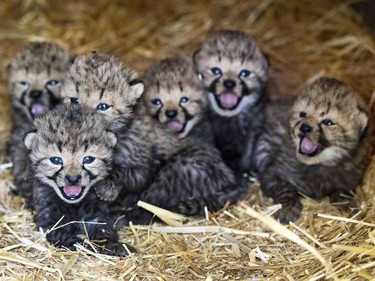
(88, 159)
(244, 73)
(184, 100)
(328, 122)
(56, 160)
(156, 101)
(52, 83)
(216, 71)
(25, 83)
(103, 106)
(74, 100)
(302, 114)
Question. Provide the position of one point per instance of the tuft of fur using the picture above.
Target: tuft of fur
(105, 84)
(326, 153)
(34, 82)
(71, 151)
(233, 71)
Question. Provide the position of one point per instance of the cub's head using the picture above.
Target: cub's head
(35, 75)
(71, 150)
(105, 84)
(174, 95)
(328, 122)
(233, 71)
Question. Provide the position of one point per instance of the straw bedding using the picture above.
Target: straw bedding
(303, 39)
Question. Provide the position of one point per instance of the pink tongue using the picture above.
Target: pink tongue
(72, 191)
(175, 126)
(228, 100)
(307, 146)
(38, 109)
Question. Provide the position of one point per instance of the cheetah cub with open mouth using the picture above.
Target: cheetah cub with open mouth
(233, 71)
(327, 152)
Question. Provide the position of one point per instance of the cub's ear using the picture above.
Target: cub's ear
(363, 121)
(111, 139)
(138, 87)
(72, 58)
(195, 56)
(9, 69)
(29, 139)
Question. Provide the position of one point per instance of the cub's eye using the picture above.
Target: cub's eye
(52, 83)
(25, 83)
(216, 71)
(156, 102)
(302, 114)
(328, 122)
(184, 100)
(103, 106)
(74, 100)
(56, 160)
(88, 159)
(244, 73)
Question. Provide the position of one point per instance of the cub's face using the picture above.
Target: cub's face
(173, 95)
(105, 84)
(72, 157)
(328, 121)
(233, 71)
(35, 77)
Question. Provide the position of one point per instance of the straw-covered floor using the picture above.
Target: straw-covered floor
(303, 39)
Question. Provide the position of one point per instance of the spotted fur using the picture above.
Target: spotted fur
(325, 154)
(234, 75)
(34, 81)
(71, 151)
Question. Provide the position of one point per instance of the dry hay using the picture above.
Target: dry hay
(303, 39)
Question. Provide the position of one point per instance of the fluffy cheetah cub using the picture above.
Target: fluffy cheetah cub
(328, 151)
(34, 82)
(71, 151)
(174, 97)
(105, 84)
(195, 176)
(233, 71)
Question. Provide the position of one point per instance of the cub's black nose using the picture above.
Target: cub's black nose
(229, 84)
(170, 113)
(72, 180)
(35, 94)
(305, 128)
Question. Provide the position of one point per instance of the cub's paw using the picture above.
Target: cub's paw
(106, 190)
(65, 239)
(289, 212)
(116, 249)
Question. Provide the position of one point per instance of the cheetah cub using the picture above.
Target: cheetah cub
(34, 82)
(194, 177)
(71, 151)
(327, 153)
(233, 71)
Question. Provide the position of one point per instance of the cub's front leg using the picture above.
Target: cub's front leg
(286, 194)
(48, 211)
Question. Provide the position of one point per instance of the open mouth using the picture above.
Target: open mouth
(38, 109)
(228, 100)
(176, 126)
(308, 147)
(72, 192)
